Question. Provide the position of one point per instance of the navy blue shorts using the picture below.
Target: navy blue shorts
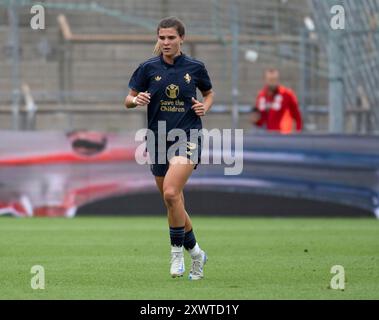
(186, 148)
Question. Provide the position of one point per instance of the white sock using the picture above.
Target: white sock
(195, 251)
(176, 249)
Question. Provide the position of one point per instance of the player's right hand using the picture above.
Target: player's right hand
(255, 117)
(142, 99)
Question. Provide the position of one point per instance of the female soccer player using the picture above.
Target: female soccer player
(167, 85)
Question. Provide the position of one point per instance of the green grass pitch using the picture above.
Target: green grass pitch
(128, 258)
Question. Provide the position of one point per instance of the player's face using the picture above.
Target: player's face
(169, 41)
(272, 80)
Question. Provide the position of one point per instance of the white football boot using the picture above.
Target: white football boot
(177, 262)
(198, 262)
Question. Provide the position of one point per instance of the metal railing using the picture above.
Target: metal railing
(355, 50)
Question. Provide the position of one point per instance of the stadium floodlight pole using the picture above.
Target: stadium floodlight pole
(303, 70)
(336, 90)
(235, 65)
(15, 51)
(165, 8)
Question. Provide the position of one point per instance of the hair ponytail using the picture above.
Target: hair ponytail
(157, 50)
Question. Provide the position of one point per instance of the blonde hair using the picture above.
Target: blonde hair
(157, 50)
(170, 22)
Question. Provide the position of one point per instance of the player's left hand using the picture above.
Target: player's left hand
(198, 107)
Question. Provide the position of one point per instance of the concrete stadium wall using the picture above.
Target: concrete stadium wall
(211, 203)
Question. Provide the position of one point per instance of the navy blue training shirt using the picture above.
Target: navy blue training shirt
(171, 89)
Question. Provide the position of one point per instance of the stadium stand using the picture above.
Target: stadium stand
(100, 71)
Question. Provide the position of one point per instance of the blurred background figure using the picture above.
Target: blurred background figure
(276, 107)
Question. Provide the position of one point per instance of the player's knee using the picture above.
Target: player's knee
(171, 196)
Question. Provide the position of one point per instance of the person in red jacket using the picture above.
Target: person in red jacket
(276, 107)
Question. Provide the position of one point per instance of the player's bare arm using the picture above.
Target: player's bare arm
(201, 108)
(135, 99)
